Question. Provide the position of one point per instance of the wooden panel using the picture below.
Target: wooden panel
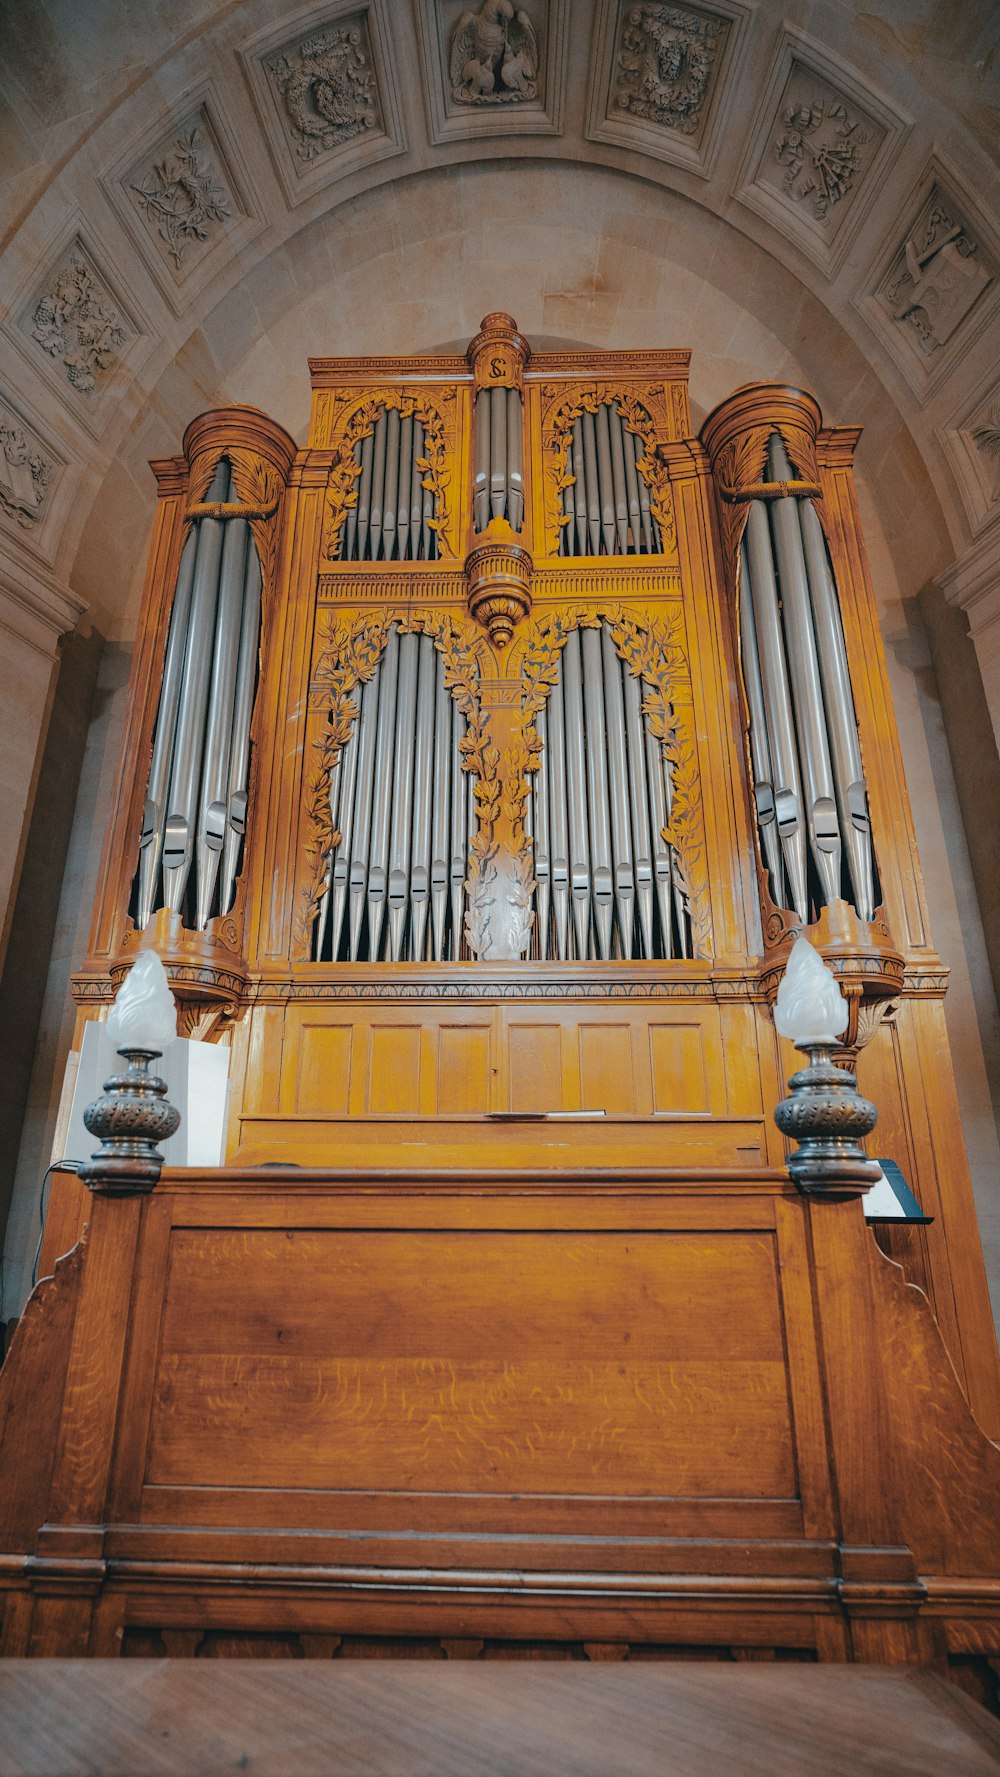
(323, 1079)
(394, 1061)
(464, 1079)
(606, 1080)
(536, 1070)
(555, 1363)
(677, 1059)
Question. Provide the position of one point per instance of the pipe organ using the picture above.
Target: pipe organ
(484, 755)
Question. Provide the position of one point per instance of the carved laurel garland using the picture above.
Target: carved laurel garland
(652, 650)
(357, 422)
(560, 409)
(350, 651)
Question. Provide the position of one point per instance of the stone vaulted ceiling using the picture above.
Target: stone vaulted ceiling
(197, 197)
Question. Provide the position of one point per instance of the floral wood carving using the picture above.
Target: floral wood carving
(493, 56)
(77, 322)
(653, 652)
(327, 88)
(179, 196)
(356, 423)
(350, 651)
(665, 59)
(561, 407)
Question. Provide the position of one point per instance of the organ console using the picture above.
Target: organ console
(483, 758)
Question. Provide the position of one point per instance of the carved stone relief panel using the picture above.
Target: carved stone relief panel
(821, 146)
(74, 324)
(493, 67)
(325, 94)
(936, 283)
(29, 470)
(659, 74)
(973, 445)
(185, 197)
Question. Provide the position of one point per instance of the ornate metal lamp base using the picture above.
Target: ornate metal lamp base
(829, 1119)
(131, 1116)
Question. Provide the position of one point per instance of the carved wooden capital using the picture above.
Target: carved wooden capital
(498, 354)
(499, 575)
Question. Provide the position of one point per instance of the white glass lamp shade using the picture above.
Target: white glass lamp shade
(144, 1015)
(810, 1007)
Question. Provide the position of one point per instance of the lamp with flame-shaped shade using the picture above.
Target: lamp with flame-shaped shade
(133, 1114)
(825, 1114)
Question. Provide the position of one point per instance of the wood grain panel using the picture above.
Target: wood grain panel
(464, 1079)
(394, 1062)
(323, 1080)
(536, 1363)
(677, 1060)
(535, 1067)
(606, 1075)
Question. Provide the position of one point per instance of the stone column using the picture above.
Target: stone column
(35, 611)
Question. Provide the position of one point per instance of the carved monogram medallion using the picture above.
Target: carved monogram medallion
(327, 88)
(664, 64)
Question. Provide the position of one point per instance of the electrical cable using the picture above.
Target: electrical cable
(56, 1166)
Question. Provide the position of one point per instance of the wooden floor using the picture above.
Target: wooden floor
(158, 1718)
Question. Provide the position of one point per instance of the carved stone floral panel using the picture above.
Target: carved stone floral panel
(183, 195)
(76, 321)
(821, 148)
(659, 74)
(325, 94)
(28, 471)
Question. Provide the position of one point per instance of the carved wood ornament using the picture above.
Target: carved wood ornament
(243, 1355)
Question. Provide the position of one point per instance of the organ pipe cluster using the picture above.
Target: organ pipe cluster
(194, 815)
(812, 808)
(607, 884)
(498, 486)
(606, 503)
(391, 521)
(402, 806)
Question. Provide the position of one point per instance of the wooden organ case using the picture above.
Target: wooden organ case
(482, 758)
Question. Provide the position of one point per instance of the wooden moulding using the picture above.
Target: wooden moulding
(571, 1442)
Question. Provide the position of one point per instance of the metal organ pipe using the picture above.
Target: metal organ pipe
(777, 704)
(219, 724)
(195, 809)
(401, 803)
(154, 811)
(498, 458)
(598, 804)
(606, 500)
(760, 752)
(807, 696)
(841, 720)
(189, 739)
(390, 520)
(812, 729)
